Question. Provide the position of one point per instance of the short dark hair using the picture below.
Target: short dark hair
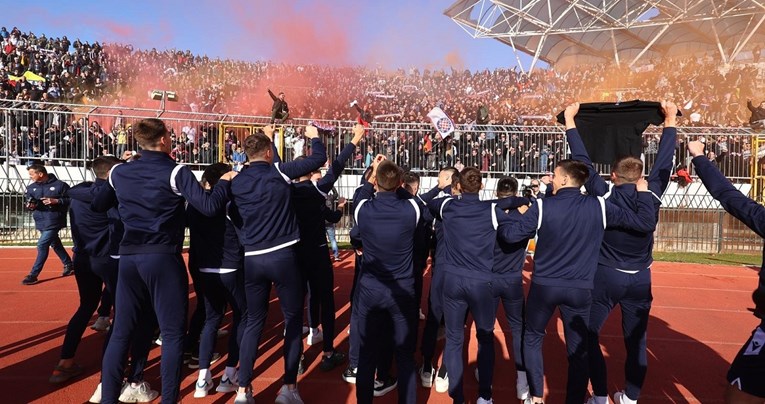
(149, 131)
(102, 165)
(388, 176)
(38, 168)
(256, 145)
(411, 177)
(213, 172)
(507, 186)
(575, 169)
(628, 168)
(470, 180)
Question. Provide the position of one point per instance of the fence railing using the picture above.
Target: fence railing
(66, 136)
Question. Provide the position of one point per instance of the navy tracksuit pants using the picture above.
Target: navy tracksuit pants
(317, 269)
(574, 305)
(378, 305)
(222, 290)
(434, 318)
(260, 272)
(89, 286)
(633, 293)
(146, 282)
(461, 294)
(510, 292)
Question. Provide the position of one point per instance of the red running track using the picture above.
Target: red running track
(698, 323)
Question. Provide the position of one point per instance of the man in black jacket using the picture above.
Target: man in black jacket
(757, 120)
(280, 110)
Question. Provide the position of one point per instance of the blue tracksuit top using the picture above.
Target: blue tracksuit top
(469, 233)
(570, 226)
(734, 202)
(49, 217)
(213, 242)
(386, 225)
(151, 193)
(510, 257)
(261, 202)
(628, 249)
(310, 199)
(96, 234)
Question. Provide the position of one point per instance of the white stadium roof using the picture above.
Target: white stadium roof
(623, 31)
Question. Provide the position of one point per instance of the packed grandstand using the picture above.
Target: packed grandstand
(35, 68)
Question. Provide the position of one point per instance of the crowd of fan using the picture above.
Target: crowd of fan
(514, 103)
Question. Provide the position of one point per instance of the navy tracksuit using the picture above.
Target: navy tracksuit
(217, 255)
(508, 289)
(570, 229)
(311, 209)
(624, 269)
(96, 237)
(748, 367)
(469, 233)
(385, 293)
(262, 211)
(151, 194)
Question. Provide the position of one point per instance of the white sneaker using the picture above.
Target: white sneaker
(422, 315)
(244, 398)
(139, 394)
(620, 397)
(481, 400)
(227, 385)
(426, 378)
(314, 339)
(200, 390)
(101, 324)
(288, 396)
(354, 102)
(522, 391)
(96, 397)
(442, 383)
(158, 341)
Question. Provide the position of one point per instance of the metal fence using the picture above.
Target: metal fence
(66, 136)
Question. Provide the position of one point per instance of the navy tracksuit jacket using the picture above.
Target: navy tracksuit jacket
(624, 273)
(570, 228)
(151, 194)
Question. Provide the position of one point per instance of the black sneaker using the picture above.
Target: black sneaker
(384, 387)
(68, 270)
(349, 375)
(29, 280)
(330, 362)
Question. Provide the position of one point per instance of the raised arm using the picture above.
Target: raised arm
(731, 199)
(299, 168)
(105, 198)
(212, 204)
(595, 184)
(658, 179)
(644, 220)
(338, 165)
(273, 97)
(515, 227)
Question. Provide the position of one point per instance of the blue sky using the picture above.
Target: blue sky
(389, 33)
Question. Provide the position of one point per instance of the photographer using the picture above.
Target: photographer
(45, 197)
(531, 191)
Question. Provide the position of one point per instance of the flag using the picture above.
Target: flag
(441, 121)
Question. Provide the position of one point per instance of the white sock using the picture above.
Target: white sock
(600, 399)
(203, 375)
(522, 381)
(230, 372)
(315, 331)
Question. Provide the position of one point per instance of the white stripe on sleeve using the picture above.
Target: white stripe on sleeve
(173, 183)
